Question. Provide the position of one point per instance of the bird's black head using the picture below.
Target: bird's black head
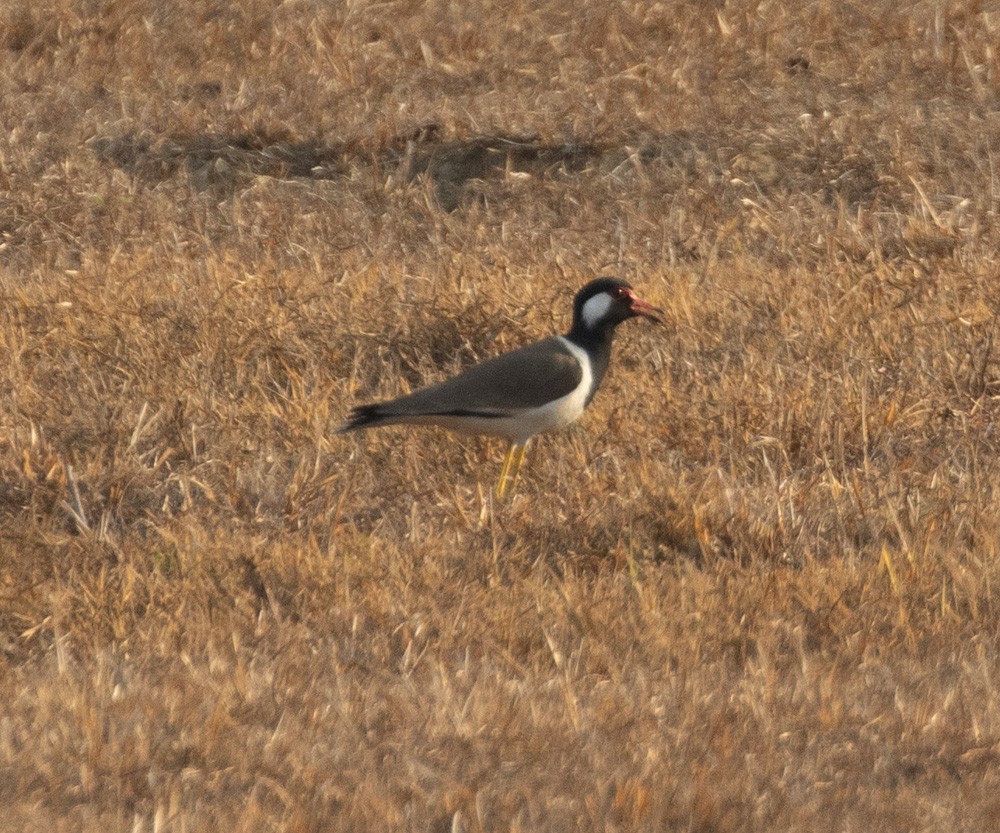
(603, 304)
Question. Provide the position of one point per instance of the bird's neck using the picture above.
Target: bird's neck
(597, 344)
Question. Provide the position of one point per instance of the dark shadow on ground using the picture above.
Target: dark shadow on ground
(225, 163)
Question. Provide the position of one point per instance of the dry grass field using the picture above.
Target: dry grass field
(752, 589)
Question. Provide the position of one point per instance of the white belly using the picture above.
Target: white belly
(521, 426)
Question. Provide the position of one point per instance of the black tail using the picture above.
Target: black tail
(363, 416)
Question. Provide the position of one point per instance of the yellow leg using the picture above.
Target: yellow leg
(502, 482)
(511, 467)
(518, 459)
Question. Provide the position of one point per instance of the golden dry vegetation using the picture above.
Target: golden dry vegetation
(751, 590)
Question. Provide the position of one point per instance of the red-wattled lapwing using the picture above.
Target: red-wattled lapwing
(538, 387)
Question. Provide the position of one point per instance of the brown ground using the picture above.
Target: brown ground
(751, 590)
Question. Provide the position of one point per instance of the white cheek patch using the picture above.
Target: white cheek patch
(595, 309)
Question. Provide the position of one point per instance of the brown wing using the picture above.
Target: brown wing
(525, 378)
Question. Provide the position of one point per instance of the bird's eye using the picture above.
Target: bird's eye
(619, 292)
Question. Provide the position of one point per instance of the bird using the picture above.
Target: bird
(538, 387)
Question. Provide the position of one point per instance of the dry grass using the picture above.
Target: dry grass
(752, 590)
